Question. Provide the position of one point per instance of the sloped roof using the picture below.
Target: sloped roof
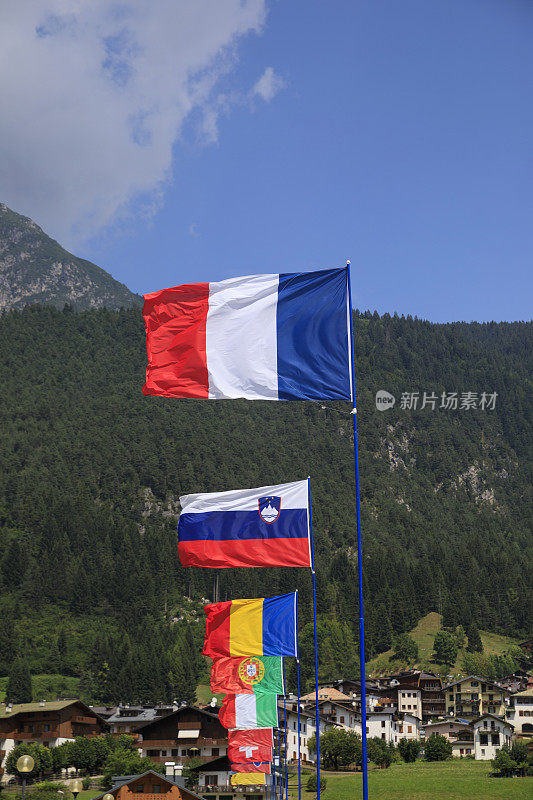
(158, 775)
(327, 693)
(48, 705)
(526, 693)
(178, 711)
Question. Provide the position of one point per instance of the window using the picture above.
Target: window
(152, 753)
(474, 683)
(46, 728)
(409, 729)
(484, 723)
(482, 752)
(400, 728)
(139, 788)
(214, 752)
(175, 752)
(468, 750)
(491, 698)
(156, 788)
(341, 720)
(183, 752)
(382, 723)
(382, 735)
(495, 739)
(483, 738)
(211, 780)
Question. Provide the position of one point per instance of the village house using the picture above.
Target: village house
(520, 713)
(49, 723)
(490, 733)
(472, 696)
(147, 785)
(126, 719)
(449, 728)
(307, 728)
(406, 726)
(213, 782)
(188, 732)
(421, 690)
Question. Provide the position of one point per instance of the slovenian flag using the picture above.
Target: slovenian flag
(262, 627)
(264, 527)
(245, 746)
(247, 675)
(261, 337)
(248, 711)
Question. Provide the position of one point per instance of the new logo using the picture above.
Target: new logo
(269, 509)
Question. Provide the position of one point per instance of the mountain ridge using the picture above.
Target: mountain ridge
(34, 268)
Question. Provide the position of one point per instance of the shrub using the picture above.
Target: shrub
(312, 783)
(437, 748)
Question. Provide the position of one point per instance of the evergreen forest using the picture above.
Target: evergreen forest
(90, 581)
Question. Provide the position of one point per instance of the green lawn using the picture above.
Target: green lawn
(448, 780)
(423, 634)
(48, 687)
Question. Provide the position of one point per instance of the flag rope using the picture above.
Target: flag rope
(359, 554)
(317, 713)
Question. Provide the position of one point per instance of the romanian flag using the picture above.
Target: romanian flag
(247, 711)
(263, 527)
(262, 627)
(248, 779)
(249, 746)
(247, 675)
(261, 337)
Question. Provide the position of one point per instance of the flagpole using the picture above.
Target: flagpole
(359, 549)
(280, 783)
(285, 724)
(298, 689)
(317, 713)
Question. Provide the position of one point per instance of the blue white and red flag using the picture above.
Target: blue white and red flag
(264, 527)
(261, 337)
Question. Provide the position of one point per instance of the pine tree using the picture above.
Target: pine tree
(475, 645)
(19, 686)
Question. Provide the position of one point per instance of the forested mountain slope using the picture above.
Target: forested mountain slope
(91, 473)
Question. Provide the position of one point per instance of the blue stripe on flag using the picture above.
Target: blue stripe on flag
(313, 340)
(279, 625)
(239, 525)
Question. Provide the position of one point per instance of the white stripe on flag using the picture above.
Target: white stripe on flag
(241, 338)
(245, 711)
(293, 495)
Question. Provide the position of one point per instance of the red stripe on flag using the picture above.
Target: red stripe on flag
(175, 321)
(217, 629)
(245, 553)
(227, 715)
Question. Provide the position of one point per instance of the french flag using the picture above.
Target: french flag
(261, 337)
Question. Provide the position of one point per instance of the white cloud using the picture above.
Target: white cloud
(95, 94)
(268, 85)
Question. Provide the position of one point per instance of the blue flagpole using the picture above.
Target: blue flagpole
(298, 689)
(285, 726)
(279, 763)
(317, 713)
(359, 550)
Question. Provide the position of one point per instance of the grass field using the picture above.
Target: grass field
(448, 780)
(48, 687)
(423, 634)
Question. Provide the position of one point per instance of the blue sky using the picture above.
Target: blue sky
(400, 139)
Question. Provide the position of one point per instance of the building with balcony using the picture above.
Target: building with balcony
(213, 782)
(126, 719)
(48, 722)
(188, 732)
(520, 713)
(472, 696)
(419, 693)
(490, 734)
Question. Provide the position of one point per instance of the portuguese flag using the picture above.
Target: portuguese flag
(249, 711)
(247, 675)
